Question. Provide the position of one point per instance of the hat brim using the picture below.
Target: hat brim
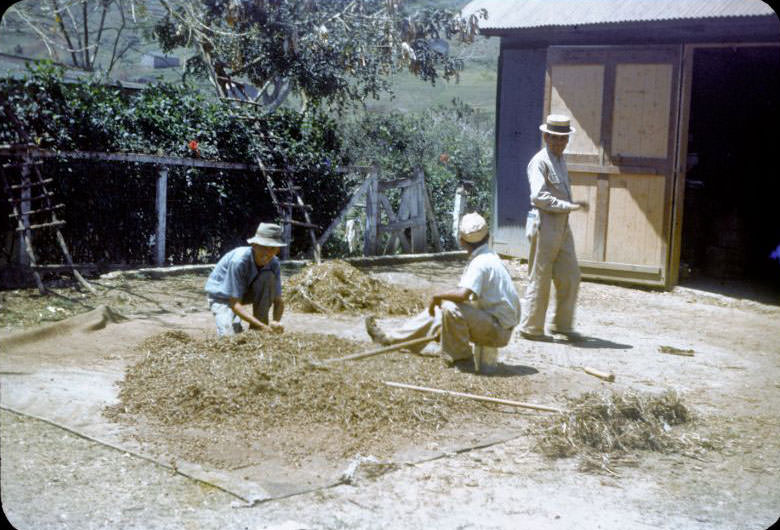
(266, 242)
(475, 237)
(543, 128)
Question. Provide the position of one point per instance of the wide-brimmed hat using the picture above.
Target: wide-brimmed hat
(473, 228)
(268, 235)
(557, 124)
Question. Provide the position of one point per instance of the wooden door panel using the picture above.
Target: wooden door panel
(624, 104)
(583, 223)
(635, 232)
(577, 91)
(640, 123)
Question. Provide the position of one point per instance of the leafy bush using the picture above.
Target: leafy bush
(110, 205)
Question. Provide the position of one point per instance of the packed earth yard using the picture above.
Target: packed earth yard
(123, 410)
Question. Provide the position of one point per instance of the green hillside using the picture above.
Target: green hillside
(476, 86)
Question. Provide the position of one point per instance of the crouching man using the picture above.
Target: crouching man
(248, 275)
(484, 308)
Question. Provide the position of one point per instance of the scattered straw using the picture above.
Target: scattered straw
(338, 287)
(604, 429)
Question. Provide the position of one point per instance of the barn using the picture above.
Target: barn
(675, 106)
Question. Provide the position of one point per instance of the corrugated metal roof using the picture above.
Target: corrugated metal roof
(509, 14)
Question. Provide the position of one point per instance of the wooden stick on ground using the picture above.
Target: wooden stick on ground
(675, 351)
(601, 375)
(475, 397)
(384, 349)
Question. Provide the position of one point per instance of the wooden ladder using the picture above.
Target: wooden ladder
(24, 186)
(290, 201)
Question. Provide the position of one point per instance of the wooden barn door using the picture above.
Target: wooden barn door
(624, 103)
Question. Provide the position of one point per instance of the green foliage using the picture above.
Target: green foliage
(337, 52)
(453, 144)
(110, 206)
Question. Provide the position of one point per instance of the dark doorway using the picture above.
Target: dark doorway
(731, 218)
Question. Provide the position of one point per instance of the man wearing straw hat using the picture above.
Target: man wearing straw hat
(552, 257)
(248, 275)
(484, 308)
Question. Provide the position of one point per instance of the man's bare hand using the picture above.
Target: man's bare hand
(582, 204)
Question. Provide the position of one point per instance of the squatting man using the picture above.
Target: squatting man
(248, 275)
(483, 309)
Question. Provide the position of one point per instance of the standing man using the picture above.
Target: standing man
(552, 256)
(248, 275)
(484, 308)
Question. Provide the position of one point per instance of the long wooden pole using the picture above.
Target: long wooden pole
(385, 349)
(474, 397)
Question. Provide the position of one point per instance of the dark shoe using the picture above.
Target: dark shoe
(377, 335)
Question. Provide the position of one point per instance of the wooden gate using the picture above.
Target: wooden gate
(385, 227)
(624, 104)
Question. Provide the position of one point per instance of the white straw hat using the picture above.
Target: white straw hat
(473, 228)
(268, 235)
(557, 124)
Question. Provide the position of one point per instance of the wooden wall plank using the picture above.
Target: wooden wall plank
(601, 220)
(520, 110)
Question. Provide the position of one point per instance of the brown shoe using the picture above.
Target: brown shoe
(567, 336)
(534, 336)
(376, 334)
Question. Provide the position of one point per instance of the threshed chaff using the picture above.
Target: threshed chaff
(255, 383)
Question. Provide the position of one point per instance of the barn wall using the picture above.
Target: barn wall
(520, 109)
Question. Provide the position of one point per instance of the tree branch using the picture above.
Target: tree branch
(106, 3)
(114, 56)
(86, 33)
(65, 33)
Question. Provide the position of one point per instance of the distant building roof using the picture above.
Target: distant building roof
(524, 14)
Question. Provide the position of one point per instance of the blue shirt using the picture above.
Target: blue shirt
(236, 271)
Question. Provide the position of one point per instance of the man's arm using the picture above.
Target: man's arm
(541, 198)
(278, 309)
(247, 315)
(461, 294)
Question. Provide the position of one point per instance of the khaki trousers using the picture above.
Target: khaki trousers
(552, 258)
(459, 325)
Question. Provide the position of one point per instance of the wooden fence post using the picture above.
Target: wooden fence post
(24, 207)
(162, 210)
(432, 220)
(286, 233)
(458, 209)
(372, 214)
(417, 207)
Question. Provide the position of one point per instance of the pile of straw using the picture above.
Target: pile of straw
(338, 287)
(607, 429)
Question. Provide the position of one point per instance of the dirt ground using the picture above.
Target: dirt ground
(55, 477)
